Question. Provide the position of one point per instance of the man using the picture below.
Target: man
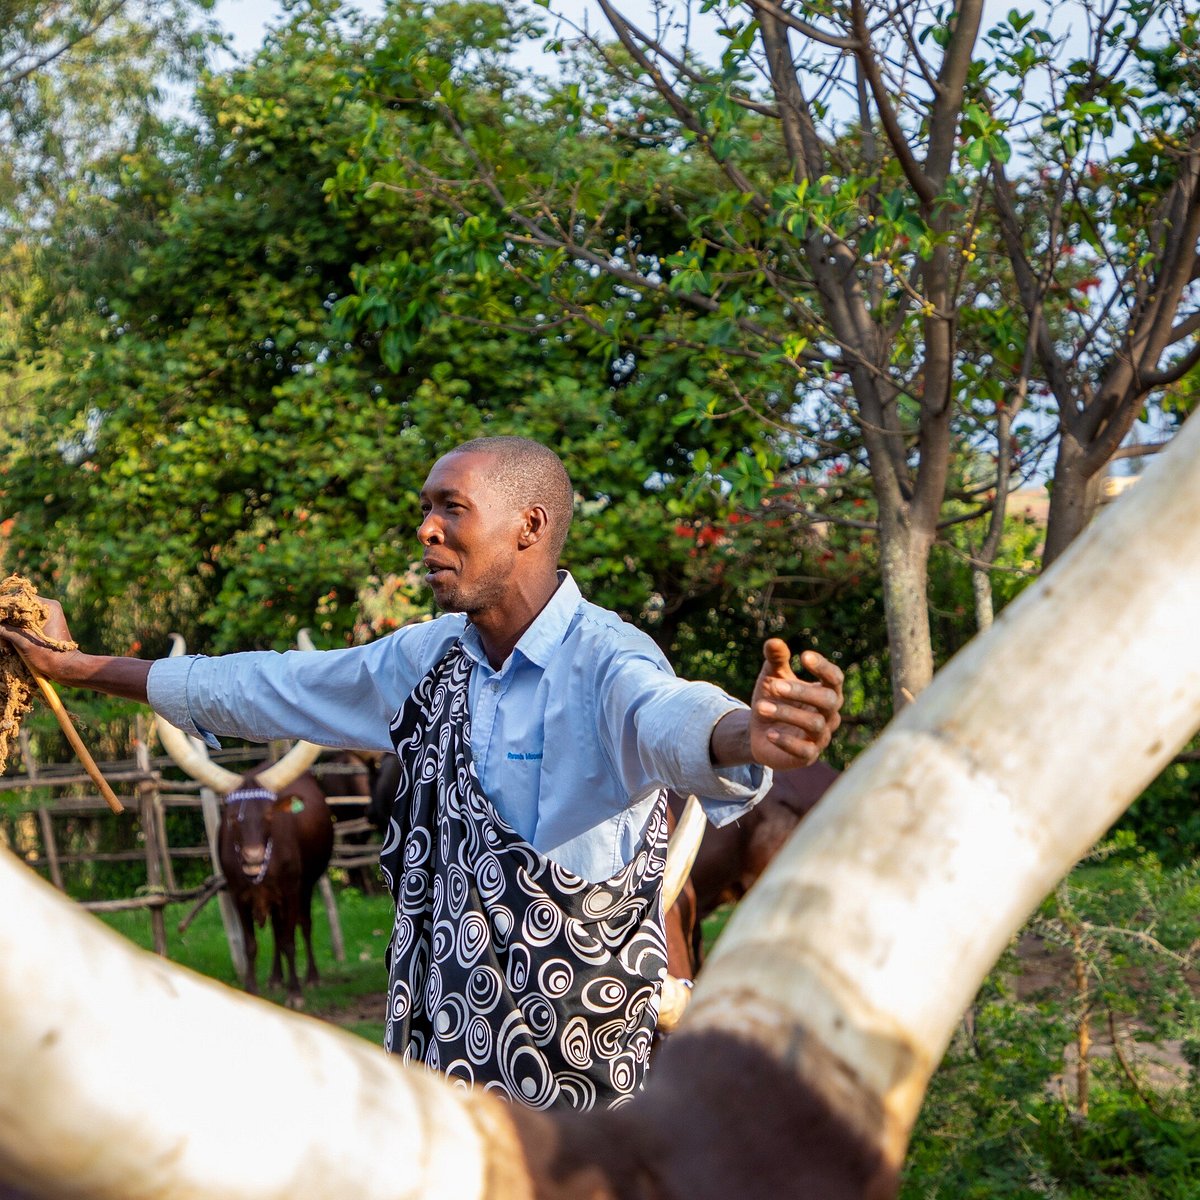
(537, 734)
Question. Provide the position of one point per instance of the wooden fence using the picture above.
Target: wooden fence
(50, 797)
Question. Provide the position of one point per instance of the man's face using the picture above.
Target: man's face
(470, 532)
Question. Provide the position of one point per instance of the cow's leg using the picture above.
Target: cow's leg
(283, 919)
(305, 918)
(250, 943)
(275, 979)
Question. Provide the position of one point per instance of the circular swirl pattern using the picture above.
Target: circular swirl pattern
(576, 1090)
(479, 1041)
(489, 877)
(443, 940)
(623, 1072)
(433, 989)
(576, 1044)
(604, 995)
(450, 1018)
(460, 1073)
(597, 903)
(456, 889)
(400, 1004)
(503, 924)
(608, 1038)
(473, 937)
(484, 989)
(584, 944)
(539, 1017)
(555, 977)
(522, 1069)
(542, 921)
(518, 968)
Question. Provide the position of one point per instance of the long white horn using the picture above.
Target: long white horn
(93, 1102)
(681, 854)
(300, 757)
(682, 850)
(871, 932)
(188, 753)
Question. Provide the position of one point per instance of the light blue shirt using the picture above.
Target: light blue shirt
(572, 736)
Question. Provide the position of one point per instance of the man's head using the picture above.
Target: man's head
(529, 473)
(496, 513)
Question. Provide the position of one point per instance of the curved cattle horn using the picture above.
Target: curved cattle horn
(189, 754)
(843, 973)
(300, 757)
(70, 1078)
(672, 1003)
(682, 850)
(869, 934)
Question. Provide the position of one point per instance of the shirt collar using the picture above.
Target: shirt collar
(548, 630)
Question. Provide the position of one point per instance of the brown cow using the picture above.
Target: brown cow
(273, 848)
(731, 858)
(274, 843)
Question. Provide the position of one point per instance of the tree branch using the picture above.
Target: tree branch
(89, 31)
(781, 14)
(865, 55)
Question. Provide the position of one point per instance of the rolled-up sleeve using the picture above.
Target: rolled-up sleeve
(658, 729)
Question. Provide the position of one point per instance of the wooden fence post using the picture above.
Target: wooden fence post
(47, 828)
(149, 817)
(335, 924)
(142, 755)
(211, 807)
(154, 881)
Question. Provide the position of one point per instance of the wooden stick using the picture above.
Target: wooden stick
(68, 727)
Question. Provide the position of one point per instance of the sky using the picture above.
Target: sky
(247, 20)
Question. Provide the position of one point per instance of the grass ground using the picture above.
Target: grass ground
(350, 994)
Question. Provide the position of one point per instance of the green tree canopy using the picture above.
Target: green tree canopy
(895, 236)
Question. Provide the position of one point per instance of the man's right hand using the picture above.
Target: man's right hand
(73, 668)
(41, 654)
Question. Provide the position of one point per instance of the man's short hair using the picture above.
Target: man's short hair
(530, 473)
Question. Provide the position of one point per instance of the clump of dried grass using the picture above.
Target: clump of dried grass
(21, 609)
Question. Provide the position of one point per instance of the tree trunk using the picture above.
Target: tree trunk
(904, 552)
(1074, 498)
(981, 586)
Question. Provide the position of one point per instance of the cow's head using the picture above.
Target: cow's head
(250, 816)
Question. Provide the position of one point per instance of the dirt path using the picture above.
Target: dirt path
(1049, 970)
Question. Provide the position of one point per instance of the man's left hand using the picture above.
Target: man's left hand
(793, 719)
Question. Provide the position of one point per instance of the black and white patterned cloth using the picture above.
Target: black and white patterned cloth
(507, 971)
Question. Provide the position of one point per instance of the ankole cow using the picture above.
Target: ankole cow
(731, 858)
(274, 843)
(802, 1060)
